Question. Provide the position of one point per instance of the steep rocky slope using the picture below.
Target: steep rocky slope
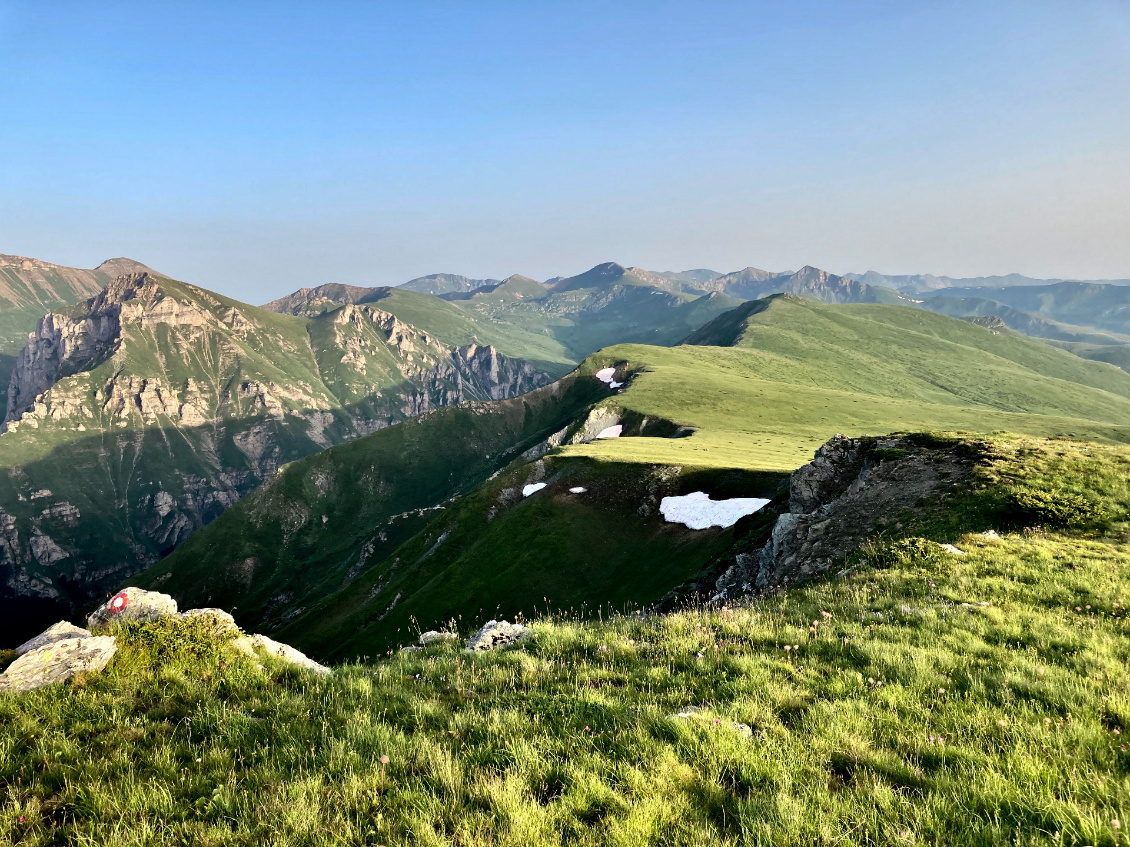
(29, 288)
(138, 416)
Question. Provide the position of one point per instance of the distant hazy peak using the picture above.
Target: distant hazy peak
(750, 274)
(692, 275)
(437, 284)
(123, 266)
(112, 267)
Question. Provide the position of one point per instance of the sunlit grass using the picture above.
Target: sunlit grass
(977, 701)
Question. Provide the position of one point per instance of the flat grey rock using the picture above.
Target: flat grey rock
(53, 633)
(58, 662)
(496, 635)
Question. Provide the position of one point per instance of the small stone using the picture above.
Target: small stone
(949, 548)
(53, 633)
(132, 604)
(496, 635)
(434, 636)
(252, 644)
(58, 662)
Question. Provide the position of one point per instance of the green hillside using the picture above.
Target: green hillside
(925, 698)
(799, 371)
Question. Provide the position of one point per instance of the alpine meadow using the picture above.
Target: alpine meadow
(517, 553)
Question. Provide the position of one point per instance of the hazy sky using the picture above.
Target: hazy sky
(255, 148)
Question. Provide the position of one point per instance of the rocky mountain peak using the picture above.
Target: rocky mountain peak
(122, 266)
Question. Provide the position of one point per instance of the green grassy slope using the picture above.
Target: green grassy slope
(496, 554)
(449, 321)
(801, 370)
(322, 521)
(938, 699)
(757, 412)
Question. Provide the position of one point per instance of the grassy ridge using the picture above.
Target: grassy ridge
(799, 371)
(938, 699)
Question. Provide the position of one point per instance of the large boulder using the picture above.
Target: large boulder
(53, 633)
(496, 635)
(132, 604)
(58, 661)
(253, 644)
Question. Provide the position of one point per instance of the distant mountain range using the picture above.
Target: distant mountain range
(137, 416)
(918, 283)
(139, 408)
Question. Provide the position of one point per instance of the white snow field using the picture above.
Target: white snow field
(611, 432)
(698, 511)
(605, 375)
(578, 490)
(533, 488)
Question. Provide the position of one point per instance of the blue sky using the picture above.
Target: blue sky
(257, 147)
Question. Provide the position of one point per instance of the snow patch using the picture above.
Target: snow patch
(698, 511)
(578, 490)
(533, 488)
(606, 375)
(611, 431)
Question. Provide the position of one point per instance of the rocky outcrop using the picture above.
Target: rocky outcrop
(496, 635)
(58, 661)
(254, 644)
(852, 490)
(132, 604)
(63, 650)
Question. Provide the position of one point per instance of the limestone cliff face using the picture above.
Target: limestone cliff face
(163, 404)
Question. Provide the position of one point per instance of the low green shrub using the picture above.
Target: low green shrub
(173, 640)
(904, 551)
(1057, 508)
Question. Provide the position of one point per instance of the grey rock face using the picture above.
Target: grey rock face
(58, 662)
(132, 604)
(837, 502)
(496, 635)
(62, 345)
(56, 632)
